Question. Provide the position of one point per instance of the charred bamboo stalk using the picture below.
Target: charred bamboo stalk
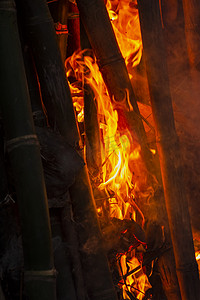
(41, 34)
(92, 131)
(169, 149)
(23, 149)
(95, 19)
(58, 101)
(192, 29)
(93, 146)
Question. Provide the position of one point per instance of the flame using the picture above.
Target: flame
(122, 177)
(125, 20)
(136, 283)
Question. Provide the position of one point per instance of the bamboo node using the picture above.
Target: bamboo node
(40, 274)
(30, 139)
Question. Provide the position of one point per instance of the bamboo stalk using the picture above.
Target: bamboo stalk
(92, 131)
(71, 240)
(63, 9)
(23, 149)
(64, 284)
(3, 175)
(58, 101)
(93, 146)
(41, 35)
(174, 33)
(169, 149)
(33, 86)
(74, 29)
(95, 19)
(192, 29)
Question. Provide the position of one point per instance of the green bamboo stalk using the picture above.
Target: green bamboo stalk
(169, 149)
(23, 149)
(58, 101)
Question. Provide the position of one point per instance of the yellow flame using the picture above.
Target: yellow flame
(125, 20)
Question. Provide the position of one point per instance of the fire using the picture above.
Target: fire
(126, 25)
(136, 282)
(120, 154)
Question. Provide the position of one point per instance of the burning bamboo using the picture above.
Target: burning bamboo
(58, 102)
(22, 144)
(95, 19)
(169, 149)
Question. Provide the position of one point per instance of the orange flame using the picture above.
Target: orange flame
(125, 20)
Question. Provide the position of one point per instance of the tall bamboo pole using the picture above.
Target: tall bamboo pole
(58, 101)
(23, 149)
(169, 149)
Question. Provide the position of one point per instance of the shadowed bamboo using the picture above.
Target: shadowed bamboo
(24, 155)
(58, 101)
(169, 149)
(41, 34)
